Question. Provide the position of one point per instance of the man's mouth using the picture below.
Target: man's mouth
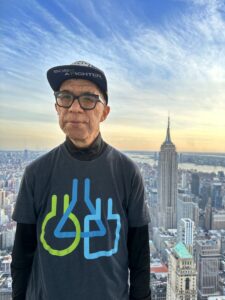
(76, 122)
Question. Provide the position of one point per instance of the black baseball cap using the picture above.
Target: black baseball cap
(77, 70)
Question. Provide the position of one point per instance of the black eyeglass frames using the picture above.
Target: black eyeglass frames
(86, 101)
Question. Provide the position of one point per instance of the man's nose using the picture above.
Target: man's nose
(75, 106)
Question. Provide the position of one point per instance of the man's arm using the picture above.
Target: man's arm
(139, 263)
(22, 258)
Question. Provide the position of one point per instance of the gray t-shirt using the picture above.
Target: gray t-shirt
(82, 210)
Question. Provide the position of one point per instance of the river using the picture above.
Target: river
(184, 166)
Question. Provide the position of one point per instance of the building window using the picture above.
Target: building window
(187, 284)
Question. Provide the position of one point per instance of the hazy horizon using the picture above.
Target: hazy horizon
(124, 150)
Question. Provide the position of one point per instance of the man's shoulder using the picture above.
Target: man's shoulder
(46, 160)
(123, 158)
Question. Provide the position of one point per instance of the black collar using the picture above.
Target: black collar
(93, 151)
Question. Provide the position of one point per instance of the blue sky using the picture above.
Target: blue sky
(159, 56)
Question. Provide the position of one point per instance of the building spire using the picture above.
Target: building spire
(168, 139)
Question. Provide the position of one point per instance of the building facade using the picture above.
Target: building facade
(185, 233)
(195, 183)
(186, 208)
(208, 264)
(181, 283)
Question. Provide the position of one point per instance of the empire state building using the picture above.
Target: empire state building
(167, 183)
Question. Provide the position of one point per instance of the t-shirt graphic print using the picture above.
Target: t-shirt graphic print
(69, 213)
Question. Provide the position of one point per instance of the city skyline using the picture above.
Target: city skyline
(159, 57)
(172, 250)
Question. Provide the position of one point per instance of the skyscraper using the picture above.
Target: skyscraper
(187, 208)
(195, 184)
(167, 183)
(217, 194)
(2, 198)
(181, 280)
(185, 233)
(208, 262)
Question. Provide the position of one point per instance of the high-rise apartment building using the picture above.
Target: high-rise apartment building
(208, 261)
(167, 183)
(181, 282)
(185, 233)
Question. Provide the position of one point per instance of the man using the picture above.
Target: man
(82, 221)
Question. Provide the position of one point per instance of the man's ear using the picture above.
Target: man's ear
(56, 108)
(105, 113)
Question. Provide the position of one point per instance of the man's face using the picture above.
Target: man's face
(81, 126)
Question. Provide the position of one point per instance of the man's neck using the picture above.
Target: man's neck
(95, 149)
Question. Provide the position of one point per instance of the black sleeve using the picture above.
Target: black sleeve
(22, 258)
(139, 263)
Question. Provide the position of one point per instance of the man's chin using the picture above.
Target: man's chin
(76, 131)
(79, 137)
(76, 125)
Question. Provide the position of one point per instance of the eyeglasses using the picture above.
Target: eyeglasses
(86, 101)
